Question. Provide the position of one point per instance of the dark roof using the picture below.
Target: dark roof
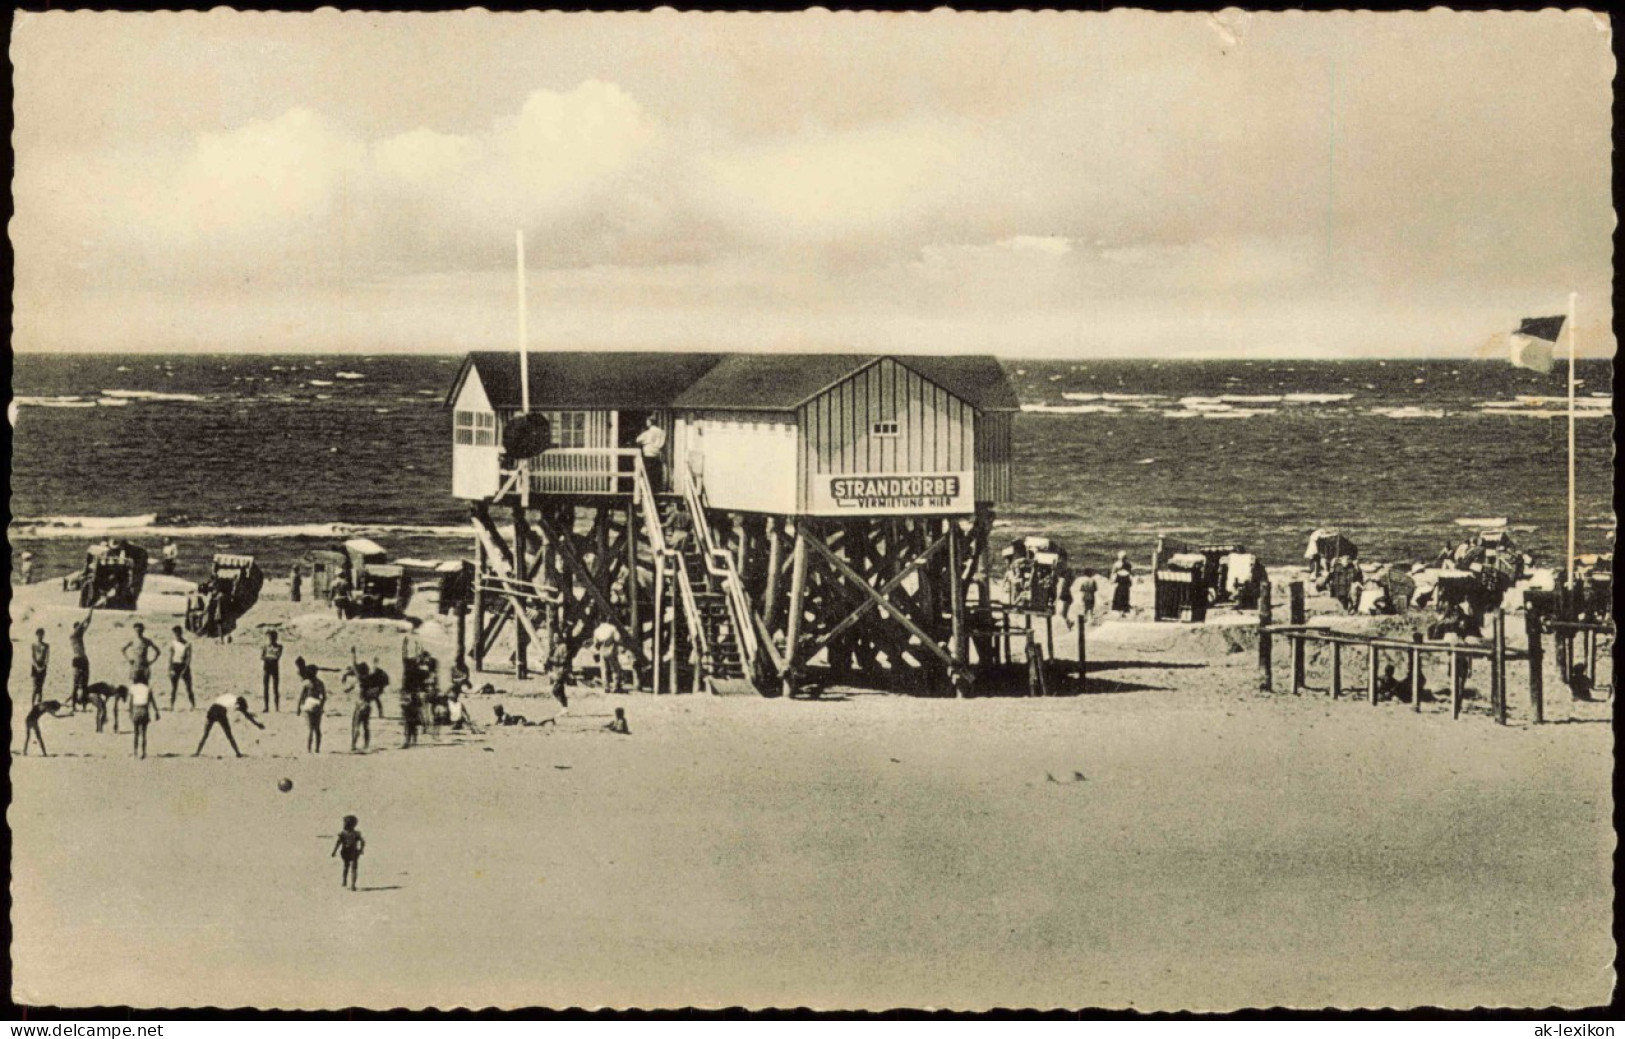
(747, 382)
(783, 382)
(586, 381)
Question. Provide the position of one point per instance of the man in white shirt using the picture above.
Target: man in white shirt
(653, 443)
(180, 668)
(170, 555)
(220, 714)
(143, 708)
(606, 643)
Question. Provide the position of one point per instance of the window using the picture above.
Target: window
(569, 428)
(476, 428)
(884, 429)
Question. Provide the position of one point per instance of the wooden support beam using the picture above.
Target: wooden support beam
(576, 569)
(659, 621)
(847, 572)
(479, 604)
(1299, 647)
(798, 589)
(874, 602)
(1454, 677)
(1337, 670)
(1297, 614)
(775, 563)
(633, 592)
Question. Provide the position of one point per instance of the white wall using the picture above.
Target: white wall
(747, 465)
(475, 470)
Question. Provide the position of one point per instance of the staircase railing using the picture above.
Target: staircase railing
(648, 505)
(719, 562)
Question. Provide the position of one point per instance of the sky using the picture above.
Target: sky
(1067, 185)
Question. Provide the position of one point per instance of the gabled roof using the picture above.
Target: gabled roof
(745, 382)
(784, 382)
(585, 381)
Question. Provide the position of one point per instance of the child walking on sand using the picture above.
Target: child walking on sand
(351, 844)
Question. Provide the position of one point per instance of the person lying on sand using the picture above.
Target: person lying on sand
(31, 727)
(504, 718)
(220, 714)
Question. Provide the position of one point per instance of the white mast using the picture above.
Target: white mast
(1574, 342)
(524, 357)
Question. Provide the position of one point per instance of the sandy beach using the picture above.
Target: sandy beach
(1174, 839)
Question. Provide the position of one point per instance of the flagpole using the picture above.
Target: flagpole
(1574, 341)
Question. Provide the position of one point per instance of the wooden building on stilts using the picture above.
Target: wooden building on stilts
(809, 518)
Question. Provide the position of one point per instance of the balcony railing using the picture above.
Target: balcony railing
(578, 470)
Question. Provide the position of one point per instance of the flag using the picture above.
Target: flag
(1531, 345)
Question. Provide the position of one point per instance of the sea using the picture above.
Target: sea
(274, 455)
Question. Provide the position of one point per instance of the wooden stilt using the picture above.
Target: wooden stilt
(1371, 674)
(1537, 678)
(1297, 613)
(798, 589)
(1337, 670)
(956, 593)
(479, 604)
(633, 593)
(775, 563)
(1265, 678)
(1455, 677)
(1498, 666)
(1416, 674)
(658, 622)
(521, 636)
(1299, 648)
(1591, 658)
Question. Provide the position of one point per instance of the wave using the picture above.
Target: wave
(1409, 412)
(152, 395)
(112, 402)
(348, 375)
(1316, 398)
(1072, 409)
(78, 526)
(321, 382)
(1261, 398)
(54, 402)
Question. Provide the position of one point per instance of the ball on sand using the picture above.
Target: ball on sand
(285, 785)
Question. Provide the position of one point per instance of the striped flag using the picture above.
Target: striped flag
(1531, 345)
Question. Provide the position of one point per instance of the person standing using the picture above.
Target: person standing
(349, 847)
(220, 714)
(1084, 591)
(40, 663)
(141, 652)
(652, 441)
(170, 555)
(100, 694)
(81, 660)
(295, 582)
(26, 568)
(1122, 583)
(271, 660)
(143, 708)
(180, 667)
(312, 701)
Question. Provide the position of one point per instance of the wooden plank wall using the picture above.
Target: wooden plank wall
(993, 481)
(936, 430)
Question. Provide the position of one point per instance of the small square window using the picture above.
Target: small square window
(883, 429)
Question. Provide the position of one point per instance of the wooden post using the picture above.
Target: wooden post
(658, 621)
(1591, 658)
(1035, 669)
(462, 633)
(632, 589)
(1083, 655)
(792, 631)
(1265, 678)
(521, 637)
(1537, 680)
(1299, 648)
(1416, 674)
(479, 605)
(1371, 674)
(775, 563)
(1455, 685)
(956, 594)
(1498, 667)
(1298, 615)
(674, 627)
(1337, 670)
